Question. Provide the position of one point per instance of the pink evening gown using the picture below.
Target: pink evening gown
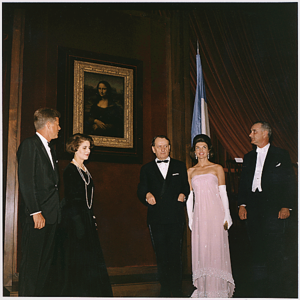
(211, 264)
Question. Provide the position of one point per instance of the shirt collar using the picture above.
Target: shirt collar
(43, 139)
(263, 149)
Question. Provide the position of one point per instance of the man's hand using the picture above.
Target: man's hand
(150, 199)
(243, 213)
(39, 221)
(284, 213)
(181, 198)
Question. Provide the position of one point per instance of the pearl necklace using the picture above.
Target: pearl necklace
(85, 182)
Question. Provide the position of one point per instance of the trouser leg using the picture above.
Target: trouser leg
(167, 243)
(266, 234)
(175, 259)
(37, 255)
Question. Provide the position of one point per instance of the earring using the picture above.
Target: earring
(208, 156)
(196, 156)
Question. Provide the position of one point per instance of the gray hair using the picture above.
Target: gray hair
(44, 115)
(265, 126)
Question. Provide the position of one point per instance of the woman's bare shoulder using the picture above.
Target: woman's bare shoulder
(191, 170)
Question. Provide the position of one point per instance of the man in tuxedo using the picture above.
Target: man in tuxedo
(266, 196)
(38, 182)
(164, 188)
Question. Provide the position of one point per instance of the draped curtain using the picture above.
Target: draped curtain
(249, 60)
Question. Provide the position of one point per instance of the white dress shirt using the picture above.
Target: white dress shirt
(260, 161)
(163, 167)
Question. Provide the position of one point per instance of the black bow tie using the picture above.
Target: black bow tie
(164, 161)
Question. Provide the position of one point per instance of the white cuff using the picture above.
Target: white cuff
(36, 213)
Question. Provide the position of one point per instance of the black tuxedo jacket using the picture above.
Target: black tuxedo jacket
(38, 181)
(277, 182)
(166, 191)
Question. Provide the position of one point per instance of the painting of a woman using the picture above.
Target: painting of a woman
(105, 117)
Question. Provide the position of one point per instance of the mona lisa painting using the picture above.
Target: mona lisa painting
(101, 96)
(103, 105)
(103, 102)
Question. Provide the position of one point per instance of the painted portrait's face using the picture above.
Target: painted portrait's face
(83, 151)
(161, 148)
(54, 128)
(201, 150)
(102, 90)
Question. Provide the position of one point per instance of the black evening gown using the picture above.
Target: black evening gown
(84, 269)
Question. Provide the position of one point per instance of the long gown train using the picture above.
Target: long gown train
(211, 263)
(84, 269)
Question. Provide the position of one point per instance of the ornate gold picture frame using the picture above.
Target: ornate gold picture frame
(81, 70)
(84, 80)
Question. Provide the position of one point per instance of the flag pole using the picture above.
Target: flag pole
(200, 121)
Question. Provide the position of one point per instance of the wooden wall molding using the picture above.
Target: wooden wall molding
(179, 103)
(131, 270)
(15, 101)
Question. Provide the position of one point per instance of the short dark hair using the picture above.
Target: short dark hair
(265, 126)
(76, 140)
(204, 139)
(161, 137)
(44, 115)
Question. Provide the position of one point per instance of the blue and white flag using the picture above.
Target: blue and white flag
(200, 122)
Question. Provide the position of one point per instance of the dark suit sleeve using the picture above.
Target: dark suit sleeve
(143, 188)
(243, 184)
(27, 161)
(289, 193)
(185, 182)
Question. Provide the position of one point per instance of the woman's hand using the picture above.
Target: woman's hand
(99, 124)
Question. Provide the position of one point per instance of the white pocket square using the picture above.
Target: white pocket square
(175, 174)
(277, 165)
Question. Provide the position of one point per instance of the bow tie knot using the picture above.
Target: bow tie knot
(162, 161)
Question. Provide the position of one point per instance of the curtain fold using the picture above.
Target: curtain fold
(249, 60)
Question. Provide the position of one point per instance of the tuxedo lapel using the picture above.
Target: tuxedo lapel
(41, 146)
(268, 160)
(157, 172)
(169, 173)
(253, 163)
(54, 160)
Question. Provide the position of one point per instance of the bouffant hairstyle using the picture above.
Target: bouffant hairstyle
(76, 140)
(44, 115)
(204, 139)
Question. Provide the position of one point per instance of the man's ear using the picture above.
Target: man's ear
(153, 149)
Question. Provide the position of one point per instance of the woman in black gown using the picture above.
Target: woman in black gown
(85, 273)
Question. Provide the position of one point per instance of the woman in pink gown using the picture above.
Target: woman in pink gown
(209, 221)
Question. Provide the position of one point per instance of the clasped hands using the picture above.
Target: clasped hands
(284, 213)
(151, 199)
(99, 124)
